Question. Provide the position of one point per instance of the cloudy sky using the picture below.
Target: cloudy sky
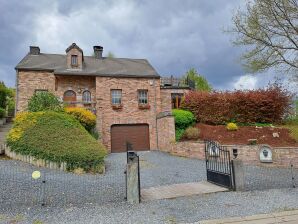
(173, 35)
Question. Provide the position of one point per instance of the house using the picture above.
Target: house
(125, 94)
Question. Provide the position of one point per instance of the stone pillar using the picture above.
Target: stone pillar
(132, 179)
(238, 175)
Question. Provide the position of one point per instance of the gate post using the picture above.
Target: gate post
(133, 178)
(238, 171)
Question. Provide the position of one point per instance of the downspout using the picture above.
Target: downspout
(155, 114)
(17, 92)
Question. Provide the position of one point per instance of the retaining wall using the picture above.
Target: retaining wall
(249, 154)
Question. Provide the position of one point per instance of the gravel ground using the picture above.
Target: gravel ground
(179, 210)
(100, 198)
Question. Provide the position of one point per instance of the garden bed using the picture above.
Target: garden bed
(264, 135)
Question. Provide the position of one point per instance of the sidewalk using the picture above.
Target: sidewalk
(287, 217)
(180, 190)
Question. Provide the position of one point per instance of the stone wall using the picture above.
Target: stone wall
(28, 82)
(130, 113)
(249, 154)
(165, 130)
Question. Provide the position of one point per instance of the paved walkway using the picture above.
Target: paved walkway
(287, 217)
(180, 190)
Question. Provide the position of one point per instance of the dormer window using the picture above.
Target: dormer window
(74, 60)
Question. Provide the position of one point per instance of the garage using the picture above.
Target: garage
(136, 134)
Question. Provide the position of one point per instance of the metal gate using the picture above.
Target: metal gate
(219, 165)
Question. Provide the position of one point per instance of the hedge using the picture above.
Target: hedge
(56, 137)
(268, 105)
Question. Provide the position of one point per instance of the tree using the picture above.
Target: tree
(44, 101)
(201, 82)
(110, 55)
(270, 30)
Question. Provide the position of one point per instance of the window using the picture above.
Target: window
(176, 100)
(74, 60)
(116, 96)
(143, 96)
(69, 96)
(86, 96)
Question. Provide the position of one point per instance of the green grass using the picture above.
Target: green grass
(58, 137)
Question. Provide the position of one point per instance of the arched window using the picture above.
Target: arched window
(86, 96)
(69, 96)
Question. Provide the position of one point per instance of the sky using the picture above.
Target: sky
(173, 35)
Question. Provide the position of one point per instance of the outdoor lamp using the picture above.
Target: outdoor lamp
(235, 153)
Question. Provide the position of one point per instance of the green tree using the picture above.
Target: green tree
(269, 30)
(3, 95)
(201, 82)
(44, 101)
(110, 55)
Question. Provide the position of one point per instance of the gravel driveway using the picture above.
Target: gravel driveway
(68, 193)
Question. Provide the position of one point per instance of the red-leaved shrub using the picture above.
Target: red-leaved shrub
(268, 105)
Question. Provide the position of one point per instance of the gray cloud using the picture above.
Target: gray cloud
(173, 35)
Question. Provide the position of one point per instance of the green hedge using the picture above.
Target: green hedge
(56, 137)
(183, 119)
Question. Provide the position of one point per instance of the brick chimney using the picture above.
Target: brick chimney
(34, 50)
(98, 51)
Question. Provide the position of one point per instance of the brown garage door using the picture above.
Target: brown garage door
(137, 135)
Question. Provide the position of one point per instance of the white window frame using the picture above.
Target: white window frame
(116, 96)
(143, 97)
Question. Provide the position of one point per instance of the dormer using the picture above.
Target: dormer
(75, 57)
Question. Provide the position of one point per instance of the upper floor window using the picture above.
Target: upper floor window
(143, 96)
(74, 60)
(116, 95)
(69, 96)
(86, 96)
(176, 100)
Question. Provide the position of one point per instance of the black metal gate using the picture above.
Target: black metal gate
(219, 165)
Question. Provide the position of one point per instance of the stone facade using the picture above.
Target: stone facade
(30, 81)
(166, 99)
(130, 113)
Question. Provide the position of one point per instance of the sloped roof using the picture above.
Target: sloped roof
(116, 67)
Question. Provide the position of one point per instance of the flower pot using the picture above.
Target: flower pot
(4, 120)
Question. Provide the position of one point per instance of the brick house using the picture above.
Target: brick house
(127, 95)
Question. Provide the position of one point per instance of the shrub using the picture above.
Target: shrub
(56, 137)
(183, 118)
(232, 127)
(191, 133)
(2, 112)
(85, 117)
(268, 105)
(179, 133)
(43, 101)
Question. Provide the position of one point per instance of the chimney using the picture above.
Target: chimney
(34, 50)
(98, 51)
